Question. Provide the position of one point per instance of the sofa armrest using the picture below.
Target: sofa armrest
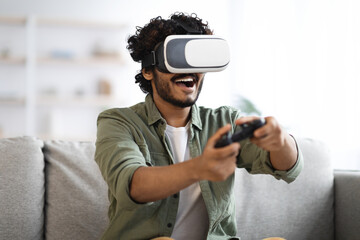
(347, 207)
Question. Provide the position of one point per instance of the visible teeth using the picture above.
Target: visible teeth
(185, 80)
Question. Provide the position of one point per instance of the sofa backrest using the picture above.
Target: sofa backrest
(303, 209)
(50, 190)
(70, 201)
(22, 188)
(76, 194)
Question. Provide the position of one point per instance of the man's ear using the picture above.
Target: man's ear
(148, 74)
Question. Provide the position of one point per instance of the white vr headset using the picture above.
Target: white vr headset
(189, 54)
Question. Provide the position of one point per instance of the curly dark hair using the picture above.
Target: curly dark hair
(146, 38)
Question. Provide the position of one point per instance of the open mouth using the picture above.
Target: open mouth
(186, 82)
(183, 80)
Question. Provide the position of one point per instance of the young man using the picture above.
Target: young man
(165, 176)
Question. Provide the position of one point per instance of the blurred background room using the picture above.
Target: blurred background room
(63, 62)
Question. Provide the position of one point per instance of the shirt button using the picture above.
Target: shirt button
(169, 225)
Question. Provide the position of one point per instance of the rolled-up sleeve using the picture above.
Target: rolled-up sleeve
(118, 157)
(291, 174)
(257, 161)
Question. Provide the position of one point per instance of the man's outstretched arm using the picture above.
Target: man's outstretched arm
(215, 164)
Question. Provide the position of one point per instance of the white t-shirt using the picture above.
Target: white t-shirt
(192, 221)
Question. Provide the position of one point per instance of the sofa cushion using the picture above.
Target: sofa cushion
(21, 188)
(300, 210)
(76, 201)
(347, 207)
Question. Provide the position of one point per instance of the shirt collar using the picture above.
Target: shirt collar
(154, 115)
(152, 111)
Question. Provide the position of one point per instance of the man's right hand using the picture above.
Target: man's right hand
(217, 164)
(214, 164)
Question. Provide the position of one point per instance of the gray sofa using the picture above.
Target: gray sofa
(54, 190)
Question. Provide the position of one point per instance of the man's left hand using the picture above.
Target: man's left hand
(270, 137)
(274, 139)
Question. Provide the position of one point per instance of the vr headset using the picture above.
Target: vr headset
(189, 54)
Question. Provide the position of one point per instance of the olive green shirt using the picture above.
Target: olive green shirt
(129, 138)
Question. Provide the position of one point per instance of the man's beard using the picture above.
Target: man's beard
(163, 91)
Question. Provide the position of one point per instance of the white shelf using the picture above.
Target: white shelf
(83, 101)
(12, 60)
(80, 23)
(83, 61)
(12, 101)
(35, 60)
(13, 20)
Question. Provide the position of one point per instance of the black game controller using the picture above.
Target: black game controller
(246, 131)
